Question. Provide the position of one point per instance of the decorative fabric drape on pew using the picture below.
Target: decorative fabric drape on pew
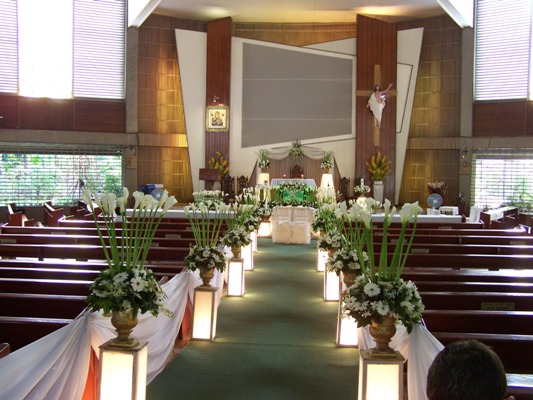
(419, 348)
(56, 366)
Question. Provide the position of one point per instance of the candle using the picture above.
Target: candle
(362, 181)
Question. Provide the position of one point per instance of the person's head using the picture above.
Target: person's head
(377, 88)
(466, 370)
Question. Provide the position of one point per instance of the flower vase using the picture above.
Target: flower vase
(348, 276)
(382, 330)
(206, 274)
(332, 251)
(236, 250)
(124, 324)
(378, 191)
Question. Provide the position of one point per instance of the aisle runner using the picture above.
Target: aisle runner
(275, 343)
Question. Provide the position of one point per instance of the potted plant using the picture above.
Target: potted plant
(263, 160)
(380, 297)
(379, 168)
(206, 255)
(126, 288)
(327, 160)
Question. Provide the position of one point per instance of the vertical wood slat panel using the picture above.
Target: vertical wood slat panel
(376, 44)
(218, 80)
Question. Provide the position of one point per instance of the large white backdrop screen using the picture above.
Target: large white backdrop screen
(290, 94)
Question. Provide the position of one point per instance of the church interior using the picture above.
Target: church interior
(212, 90)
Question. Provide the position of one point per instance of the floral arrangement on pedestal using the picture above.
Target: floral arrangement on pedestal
(219, 163)
(324, 217)
(379, 293)
(296, 150)
(378, 166)
(330, 240)
(212, 196)
(126, 286)
(327, 160)
(263, 159)
(346, 258)
(236, 235)
(206, 221)
(361, 189)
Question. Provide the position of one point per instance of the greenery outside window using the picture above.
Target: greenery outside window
(30, 176)
(502, 177)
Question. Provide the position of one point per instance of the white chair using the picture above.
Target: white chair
(282, 214)
(281, 227)
(301, 214)
(301, 228)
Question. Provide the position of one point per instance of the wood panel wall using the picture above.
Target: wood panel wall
(108, 116)
(436, 112)
(295, 34)
(218, 81)
(376, 45)
(509, 118)
(162, 153)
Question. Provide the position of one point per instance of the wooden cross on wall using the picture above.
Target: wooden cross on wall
(367, 93)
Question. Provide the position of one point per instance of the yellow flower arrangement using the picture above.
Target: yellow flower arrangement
(219, 163)
(378, 166)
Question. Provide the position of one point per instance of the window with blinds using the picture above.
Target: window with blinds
(63, 49)
(33, 175)
(502, 177)
(503, 49)
(8, 46)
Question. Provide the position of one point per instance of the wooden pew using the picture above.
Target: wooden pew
(89, 231)
(45, 286)
(456, 300)
(445, 286)
(86, 252)
(51, 214)
(159, 268)
(73, 239)
(41, 305)
(466, 275)
(25, 330)
(448, 248)
(507, 332)
(17, 218)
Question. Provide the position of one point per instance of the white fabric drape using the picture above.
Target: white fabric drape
(419, 348)
(313, 153)
(56, 366)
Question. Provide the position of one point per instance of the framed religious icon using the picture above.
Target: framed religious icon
(217, 119)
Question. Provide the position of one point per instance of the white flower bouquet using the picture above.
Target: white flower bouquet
(127, 285)
(296, 150)
(327, 159)
(379, 290)
(206, 256)
(330, 240)
(368, 299)
(236, 237)
(263, 160)
(346, 258)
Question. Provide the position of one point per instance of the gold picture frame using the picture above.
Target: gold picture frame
(217, 119)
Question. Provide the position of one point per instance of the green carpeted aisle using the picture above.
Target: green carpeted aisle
(276, 342)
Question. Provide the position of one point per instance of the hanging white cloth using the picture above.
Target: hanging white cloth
(420, 348)
(56, 366)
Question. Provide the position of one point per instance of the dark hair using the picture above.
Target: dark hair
(376, 88)
(466, 370)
